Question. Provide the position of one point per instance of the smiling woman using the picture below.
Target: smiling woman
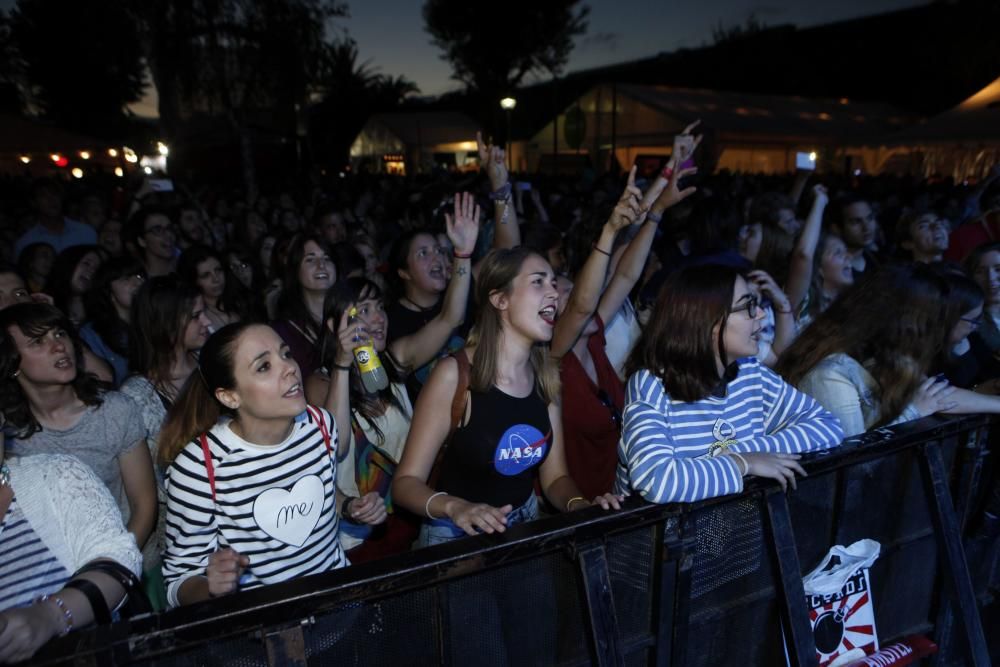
(253, 468)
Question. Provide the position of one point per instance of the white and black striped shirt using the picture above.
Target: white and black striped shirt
(274, 504)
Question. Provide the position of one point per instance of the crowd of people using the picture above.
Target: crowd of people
(203, 393)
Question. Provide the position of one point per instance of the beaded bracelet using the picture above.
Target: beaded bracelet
(67, 614)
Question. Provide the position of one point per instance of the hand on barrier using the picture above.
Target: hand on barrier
(932, 396)
(223, 572)
(23, 631)
(609, 501)
(474, 518)
(780, 467)
(369, 508)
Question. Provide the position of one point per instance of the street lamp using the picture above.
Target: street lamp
(508, 104)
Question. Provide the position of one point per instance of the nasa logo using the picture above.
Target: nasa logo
(520, 447)
(363, 356)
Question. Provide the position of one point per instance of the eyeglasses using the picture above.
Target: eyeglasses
(616, 415)
(974, 322)
(750, 305)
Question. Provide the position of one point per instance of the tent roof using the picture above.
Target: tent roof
(745, 113)
(428, 127)
(977, 119)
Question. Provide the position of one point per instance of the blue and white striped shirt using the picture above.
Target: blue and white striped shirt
(664, 452)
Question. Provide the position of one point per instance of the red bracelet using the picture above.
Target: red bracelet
(458, 255)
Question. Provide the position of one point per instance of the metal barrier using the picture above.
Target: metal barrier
(712, 583)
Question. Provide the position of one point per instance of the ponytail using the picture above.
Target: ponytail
(196, 409)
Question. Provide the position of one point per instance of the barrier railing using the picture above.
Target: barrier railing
(711, 583)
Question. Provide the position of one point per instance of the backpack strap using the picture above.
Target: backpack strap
(209, 467)
(317, 416)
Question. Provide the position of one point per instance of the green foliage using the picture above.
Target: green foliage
(493, 46)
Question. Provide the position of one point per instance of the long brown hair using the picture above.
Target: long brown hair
(161, 309)
(678, 345)
(895, 318)
(496, 274)
(196, 409)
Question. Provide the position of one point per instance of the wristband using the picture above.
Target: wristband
(502, 193)
(573, 500)
(598, 249)
(427, 505)
(653, 217)
(458, 255)
(343, 507)
(341, 368)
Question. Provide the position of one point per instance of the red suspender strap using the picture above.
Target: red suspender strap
(209, 468)
(317, 416)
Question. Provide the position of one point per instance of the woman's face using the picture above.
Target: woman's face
(268, 381)
(835, 266)
(41, 262)
(374, 319)
(48, 359)
(12, 290)
(316, 271)
(371, 260)
(110, 237)
(425, 266)
(966, 324)
(240, 269)
(124, 288)
(749, 241)
(196, 330)
(742, 335)
(83, 274)
(532, 305)
(211, 278)
(988, 276)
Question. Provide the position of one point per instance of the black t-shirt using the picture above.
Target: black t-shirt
(405, 322)
(493, 459)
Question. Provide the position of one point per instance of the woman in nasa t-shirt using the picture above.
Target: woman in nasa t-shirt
(511, 430)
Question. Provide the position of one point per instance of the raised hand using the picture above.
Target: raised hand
(671, 195)
(492, 159)
(348, 335)
(685, 144)
(463, 227)
(223, 572)
(629, 209)
(820, 196)
(765, 285)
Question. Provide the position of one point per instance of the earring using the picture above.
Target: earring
(16, 373)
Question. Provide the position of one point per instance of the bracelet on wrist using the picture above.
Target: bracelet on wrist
(341, 368)
(783, 312)
(502, 193)
(459, 255)
(598, 249)
(573, 500)
(343, 507)
(653, 217)
(67, 615)
(427, 505)
(745, 467)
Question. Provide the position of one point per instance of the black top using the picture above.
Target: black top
(405, 322)
(493, 458)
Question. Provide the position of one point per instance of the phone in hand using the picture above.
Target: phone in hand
(161, 185)
(805, 161)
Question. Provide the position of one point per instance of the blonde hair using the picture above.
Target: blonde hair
(496, 274)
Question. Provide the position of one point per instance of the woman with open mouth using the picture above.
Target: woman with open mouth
(252, 497)
(701, 412)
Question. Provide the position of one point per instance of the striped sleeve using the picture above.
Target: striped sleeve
(191, 534)
(652, 467)
(794, 422)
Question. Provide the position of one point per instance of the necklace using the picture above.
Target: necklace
(4, 475)
(420, 309)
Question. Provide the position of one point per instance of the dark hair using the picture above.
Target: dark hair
(347, 259)
(776, 246)
(340, 298)
(100, 307)
(399, 255)
(905, 223)
(895, 317)
(971, 263)
(36, 319)
(160, 311)
(766, 208)
(60, 283)
(196, 409)
(27, 257)
(677, 345)
(291, 303)
(234, 300)
(136, 226)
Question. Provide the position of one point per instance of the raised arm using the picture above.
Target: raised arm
(334, 393)
(589, 283)
(423, 345)
(506, 233)
(801, 268)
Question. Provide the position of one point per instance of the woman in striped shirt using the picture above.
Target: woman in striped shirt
(701, 412)
(251, 488)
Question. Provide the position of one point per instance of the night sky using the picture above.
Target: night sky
(390, 32)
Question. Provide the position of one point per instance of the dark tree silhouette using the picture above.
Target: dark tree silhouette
(493, 46)
(81, 61)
